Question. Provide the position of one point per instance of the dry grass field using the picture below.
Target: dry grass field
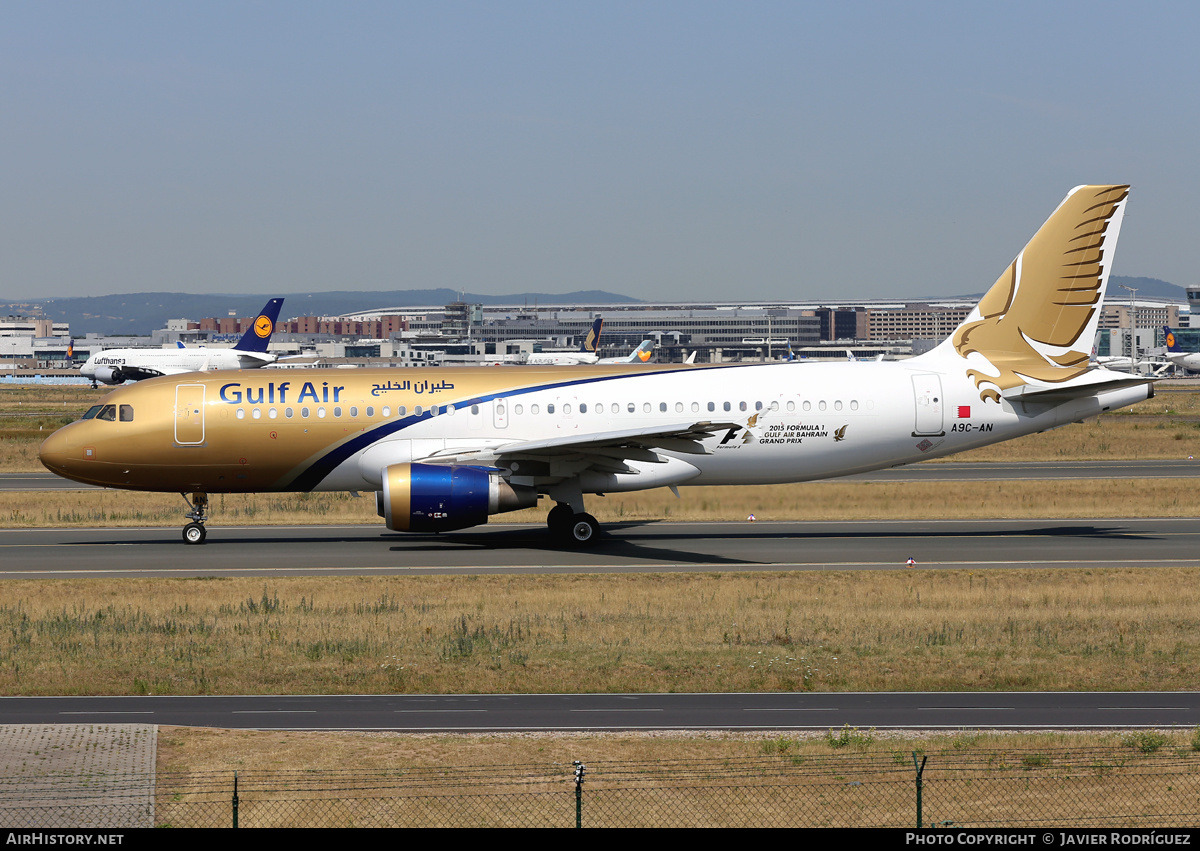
(829, 500)
(840, 778)
(902, 630)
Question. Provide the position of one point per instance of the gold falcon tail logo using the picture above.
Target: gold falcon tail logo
(1032, 318)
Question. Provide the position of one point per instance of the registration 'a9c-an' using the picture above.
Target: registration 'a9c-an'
(445, 448)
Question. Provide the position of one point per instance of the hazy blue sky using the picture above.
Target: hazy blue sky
(666, 150)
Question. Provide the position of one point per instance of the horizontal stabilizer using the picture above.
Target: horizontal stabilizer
(1104, 380)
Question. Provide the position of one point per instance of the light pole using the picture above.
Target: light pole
(1132, 327)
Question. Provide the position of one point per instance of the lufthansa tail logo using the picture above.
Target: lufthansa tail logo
(263, 326)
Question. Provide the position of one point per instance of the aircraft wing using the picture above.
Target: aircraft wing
(603, 451)
(140, 373)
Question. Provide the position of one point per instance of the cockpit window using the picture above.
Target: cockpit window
(127, 413)
(108, 412)
(91, 412)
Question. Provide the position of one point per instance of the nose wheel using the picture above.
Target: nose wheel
(194, 532)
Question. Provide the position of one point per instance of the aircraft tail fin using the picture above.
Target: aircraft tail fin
(591, 343)
(1037, 322)
(259, 335)
(1172, 343)
(642, 353)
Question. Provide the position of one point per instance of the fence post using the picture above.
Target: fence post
(920, 766)
(580, 770)
(235, 800)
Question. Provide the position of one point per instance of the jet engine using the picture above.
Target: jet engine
(430, 498)
(108, 375)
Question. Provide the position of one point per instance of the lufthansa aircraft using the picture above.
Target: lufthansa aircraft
(1176, 354)
(445, 448)
(115, 366)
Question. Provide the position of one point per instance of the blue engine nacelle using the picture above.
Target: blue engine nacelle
(430, 498)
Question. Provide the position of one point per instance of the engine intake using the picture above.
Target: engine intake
(109, 374)
(430, 498)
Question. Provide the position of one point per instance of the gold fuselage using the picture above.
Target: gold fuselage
(239, 431)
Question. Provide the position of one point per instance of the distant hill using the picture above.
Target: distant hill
(1146, 288)
(141, 313)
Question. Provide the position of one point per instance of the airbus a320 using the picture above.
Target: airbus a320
(444, 449)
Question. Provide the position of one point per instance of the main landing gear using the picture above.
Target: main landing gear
(194, 532)
(571, 527)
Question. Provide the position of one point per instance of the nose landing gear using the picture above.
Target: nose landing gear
(194, 532)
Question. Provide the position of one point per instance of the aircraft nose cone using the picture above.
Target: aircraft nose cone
(55, 452)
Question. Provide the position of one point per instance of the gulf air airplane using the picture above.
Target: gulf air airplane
(116, 366)
(444, 449)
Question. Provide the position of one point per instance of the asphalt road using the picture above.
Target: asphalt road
(932, 472)
(623, 548)
(626, 712)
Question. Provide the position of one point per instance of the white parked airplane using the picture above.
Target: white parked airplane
(446, 448)
(588, 353)
(1177, 356)
(641, 354)
(116, 366)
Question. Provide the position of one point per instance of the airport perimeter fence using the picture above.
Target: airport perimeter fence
(1102, 787)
